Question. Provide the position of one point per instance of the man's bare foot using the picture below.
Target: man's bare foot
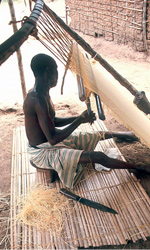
(127, 136)
(143, 168)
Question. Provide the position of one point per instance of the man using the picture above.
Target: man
(62, 149)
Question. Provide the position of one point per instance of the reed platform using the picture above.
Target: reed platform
(85, 227)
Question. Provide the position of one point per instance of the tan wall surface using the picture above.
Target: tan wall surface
(116, 20)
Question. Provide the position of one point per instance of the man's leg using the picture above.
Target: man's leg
(129, 136)
(101, 158)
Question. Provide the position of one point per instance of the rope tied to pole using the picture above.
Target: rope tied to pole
(23, 20)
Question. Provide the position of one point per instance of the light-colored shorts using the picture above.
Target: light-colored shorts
(64, 156)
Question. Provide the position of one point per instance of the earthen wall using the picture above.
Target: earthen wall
(116, 20)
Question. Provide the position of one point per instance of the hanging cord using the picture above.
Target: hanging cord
(66, 69)
(22, 21)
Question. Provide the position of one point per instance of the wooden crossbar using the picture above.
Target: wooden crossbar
(85, 226)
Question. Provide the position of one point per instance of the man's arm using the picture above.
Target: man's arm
(47, 125)
(60, 122)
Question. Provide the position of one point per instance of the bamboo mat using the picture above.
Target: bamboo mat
(84, 226)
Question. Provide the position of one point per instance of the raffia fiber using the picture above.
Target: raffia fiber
(42, 207)
(83, 226)
(123, 108)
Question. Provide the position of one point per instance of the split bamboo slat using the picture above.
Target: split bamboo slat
(84, 227)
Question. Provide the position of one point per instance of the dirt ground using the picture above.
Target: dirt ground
(134, 66)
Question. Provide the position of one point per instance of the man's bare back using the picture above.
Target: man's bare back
(34, 132)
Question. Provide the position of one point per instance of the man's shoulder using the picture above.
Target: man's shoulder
(34, 101)
(34, 97)
(30, 102)
(30, 98)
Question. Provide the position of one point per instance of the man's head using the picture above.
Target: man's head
(45, 66)
(41, 62)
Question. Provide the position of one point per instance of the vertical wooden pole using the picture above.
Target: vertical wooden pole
(144, 25)
(19, 57)
(67, 14)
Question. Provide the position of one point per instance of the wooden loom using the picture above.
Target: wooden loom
(95, 81)
(55, 38)
(118, 189)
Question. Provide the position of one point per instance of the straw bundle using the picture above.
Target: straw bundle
(42, 207)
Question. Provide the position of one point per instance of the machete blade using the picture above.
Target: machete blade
(87, 202)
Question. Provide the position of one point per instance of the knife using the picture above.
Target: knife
(87, 202)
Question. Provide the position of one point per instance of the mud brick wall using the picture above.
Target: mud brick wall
(116, 20)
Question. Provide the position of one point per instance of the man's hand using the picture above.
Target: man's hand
(85, 117)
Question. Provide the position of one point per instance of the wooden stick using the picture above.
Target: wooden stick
(92, 222)
(35, 238)
(115, 200)
(49, 241)
(14, 42)
(58, 239)
(135, 212)
(141, 209)
(23, 186)
(80, 225)
(19, 56)
(144, 24)
(18, 185)
(101, 217)
(71, 219)
(83, 211)
(107, 218)
(121, 199)
(12, 226)
(107, 20)
(81, 6)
